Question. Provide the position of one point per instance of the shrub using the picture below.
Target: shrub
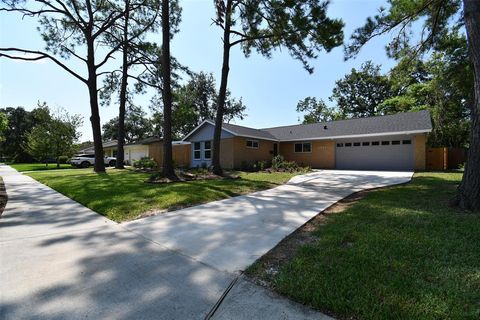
(62, 159)
(245, 166)
(277, 162)
(145, 163)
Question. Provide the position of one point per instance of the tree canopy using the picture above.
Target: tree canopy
(137, 125)
(360, 93)
(317, 111)
(3, 125)
(20, 122)
(53, 135)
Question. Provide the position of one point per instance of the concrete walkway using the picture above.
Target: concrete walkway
(60, 260)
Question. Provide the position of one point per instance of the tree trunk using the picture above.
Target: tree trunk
(168, 170)
(123, 93)
(217, 168)
(468, 193)
(95, 116)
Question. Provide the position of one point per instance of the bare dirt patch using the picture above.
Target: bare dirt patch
(264, 269)
(3, 196)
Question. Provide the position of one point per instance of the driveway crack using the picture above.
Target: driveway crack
(217, 304)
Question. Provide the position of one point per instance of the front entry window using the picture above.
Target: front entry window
(197, 151)
(202, 150)
(207, 150)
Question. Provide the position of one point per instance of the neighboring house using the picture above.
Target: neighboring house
(109, 149)
(150, 147)
(135, 151)
(391, 142)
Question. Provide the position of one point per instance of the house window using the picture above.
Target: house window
(396, 142)
(385, 143)
(207, 150)
(375, 143)
(252, 144)
(356, 144)
(407, 141)
(197, 151)
(365, 144)
(348, 144)
(339, 145)
(303, 147)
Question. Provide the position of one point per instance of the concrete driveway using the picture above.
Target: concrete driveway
(60, 260)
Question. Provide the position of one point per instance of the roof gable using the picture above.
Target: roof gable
(234, 130)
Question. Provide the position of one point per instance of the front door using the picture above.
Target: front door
(275, 149)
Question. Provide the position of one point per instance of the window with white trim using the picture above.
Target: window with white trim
(303, 147)
(197, 150)
(253, 144)
(207, 150)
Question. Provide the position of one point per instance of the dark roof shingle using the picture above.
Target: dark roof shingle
(400, 122)
(248, 132)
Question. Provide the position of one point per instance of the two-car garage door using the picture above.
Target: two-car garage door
(376, 153)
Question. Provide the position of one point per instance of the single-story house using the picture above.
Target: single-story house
(390, 142)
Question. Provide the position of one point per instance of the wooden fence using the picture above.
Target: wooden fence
(445, 158)
(181, 154)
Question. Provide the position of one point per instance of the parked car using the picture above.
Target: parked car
(87, 160)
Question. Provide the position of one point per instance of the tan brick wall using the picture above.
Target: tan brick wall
(241, 153)
(420, 151)
(321, 157)
(181, 154)
(226, 153)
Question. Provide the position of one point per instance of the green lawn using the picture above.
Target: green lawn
(38, 166)
(123, 195)
(399, 253)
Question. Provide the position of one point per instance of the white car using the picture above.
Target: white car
(87, 160)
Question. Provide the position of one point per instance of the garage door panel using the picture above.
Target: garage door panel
(376, 157)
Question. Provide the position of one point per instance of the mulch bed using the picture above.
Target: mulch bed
(3, 196)
(186, 176)
(269, 264)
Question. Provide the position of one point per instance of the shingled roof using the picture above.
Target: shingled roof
(408, 122)
(248, 132)
(400, 123)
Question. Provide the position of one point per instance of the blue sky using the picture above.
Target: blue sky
(270, 88)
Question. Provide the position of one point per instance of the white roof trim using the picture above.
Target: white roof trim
(390, 133)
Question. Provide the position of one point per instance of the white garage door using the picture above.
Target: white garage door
(394, 153)
(133, 154)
